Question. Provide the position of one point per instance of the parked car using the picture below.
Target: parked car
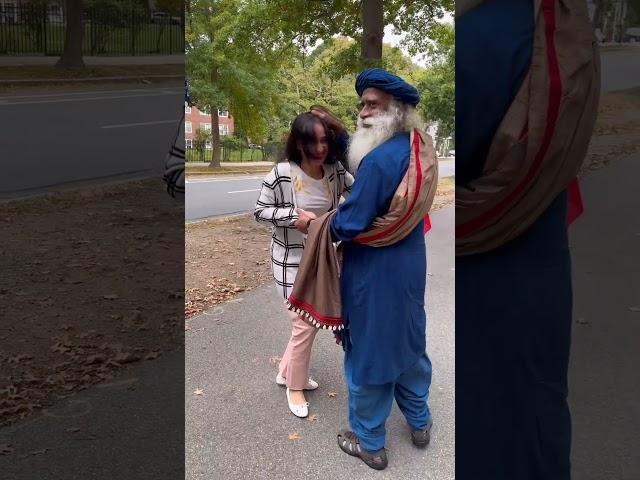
(451, 153)
(632, 34)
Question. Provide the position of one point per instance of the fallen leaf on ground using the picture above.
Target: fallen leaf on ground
(332, 394)
(39, 452)
(275, 359)
(125, 357)
(198, 391)
(294, 436)
(5, 449)
(111, 296)
(312, 418)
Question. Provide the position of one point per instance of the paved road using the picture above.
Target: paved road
(239, 427)
(604, 381)
(603, 378)
(226, 196)
(620, 68)
(221, 196)
(49, 140)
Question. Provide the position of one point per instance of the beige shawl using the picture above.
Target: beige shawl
(543, 138)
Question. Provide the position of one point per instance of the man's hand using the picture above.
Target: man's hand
(304, 218)
(333, 123)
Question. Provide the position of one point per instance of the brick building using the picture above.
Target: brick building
(195, 119)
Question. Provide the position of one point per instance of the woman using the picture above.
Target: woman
(312, 179)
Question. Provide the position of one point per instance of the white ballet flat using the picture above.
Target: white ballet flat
(311, 383)
(301, 411)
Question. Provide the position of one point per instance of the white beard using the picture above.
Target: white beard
(370, 133)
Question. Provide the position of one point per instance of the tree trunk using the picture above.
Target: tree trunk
(597, 14)
(215, 126)
(623, 20)
(372, 16)
(215, 138)
(72, 54)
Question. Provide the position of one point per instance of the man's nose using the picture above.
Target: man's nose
(365, 113)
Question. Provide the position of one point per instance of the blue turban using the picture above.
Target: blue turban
(389, 83)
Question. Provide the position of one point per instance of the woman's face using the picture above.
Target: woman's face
(319, 149)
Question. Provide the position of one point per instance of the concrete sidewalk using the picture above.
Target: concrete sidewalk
(239, 427)
(129, 428)
(177, 59)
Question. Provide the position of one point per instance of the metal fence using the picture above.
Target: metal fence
(227, 155)
(111, 28)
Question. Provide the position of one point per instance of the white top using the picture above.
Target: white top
(276, 207)
(313, 195)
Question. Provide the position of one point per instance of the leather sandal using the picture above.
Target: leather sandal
(349, 443)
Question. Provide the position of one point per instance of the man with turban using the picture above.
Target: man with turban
(526, 102)
(382, 286)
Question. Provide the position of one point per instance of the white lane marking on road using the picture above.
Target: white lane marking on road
(244, 191)
(141, 124)
(215, 180)
(94, 92)
(84, 99)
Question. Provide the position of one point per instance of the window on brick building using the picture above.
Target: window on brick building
(223, 129)
(188, 142)
(187, 109)
(223, 113)
(206, 127)
(188, 127)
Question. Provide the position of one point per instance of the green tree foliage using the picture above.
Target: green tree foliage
(255, 58)
(327, 77)
(233, 54)
(306, 21)
(437, 83)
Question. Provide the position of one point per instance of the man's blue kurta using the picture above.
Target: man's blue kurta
(382, 287)
(513, 304)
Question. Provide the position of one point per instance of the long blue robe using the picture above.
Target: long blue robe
(382, 287)
(513, 304)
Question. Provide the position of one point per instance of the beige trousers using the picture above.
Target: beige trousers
(294, 365)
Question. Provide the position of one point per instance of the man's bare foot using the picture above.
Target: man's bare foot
(297, 397)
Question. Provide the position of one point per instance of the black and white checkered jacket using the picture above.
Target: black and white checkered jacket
(276, 206)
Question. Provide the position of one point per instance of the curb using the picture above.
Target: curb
(619, 46)
(222, 174)
(218, 219)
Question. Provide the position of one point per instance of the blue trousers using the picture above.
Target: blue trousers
(370, 405)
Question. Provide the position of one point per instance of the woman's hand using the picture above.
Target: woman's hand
(332, 122)
(304, 219)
